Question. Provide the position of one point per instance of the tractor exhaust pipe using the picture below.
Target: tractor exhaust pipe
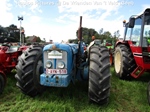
(80, 43)
(80, 30)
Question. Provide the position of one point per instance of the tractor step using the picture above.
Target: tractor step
(138, 72)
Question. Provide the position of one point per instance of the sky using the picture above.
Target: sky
(58, 20)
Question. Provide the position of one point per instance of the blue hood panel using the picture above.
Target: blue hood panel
(66, 47)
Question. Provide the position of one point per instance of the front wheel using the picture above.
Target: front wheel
(99, 75)
(124, 62)
(29, 68)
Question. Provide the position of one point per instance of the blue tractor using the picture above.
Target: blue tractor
(58, 64)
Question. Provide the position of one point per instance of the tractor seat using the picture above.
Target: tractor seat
(12, 49)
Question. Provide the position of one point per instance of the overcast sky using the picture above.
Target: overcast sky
(59, 19)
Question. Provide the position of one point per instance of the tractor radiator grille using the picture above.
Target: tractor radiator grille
(57, 56)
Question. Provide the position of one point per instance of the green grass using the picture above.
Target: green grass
(126, 96)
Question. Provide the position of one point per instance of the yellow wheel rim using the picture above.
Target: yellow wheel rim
(117, 62)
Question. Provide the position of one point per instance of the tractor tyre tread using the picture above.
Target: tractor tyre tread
(99, 75)
(128, 63)
(26, 77)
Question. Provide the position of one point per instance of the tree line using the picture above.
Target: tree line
(9, 34)
(87, 34)
(12, 34)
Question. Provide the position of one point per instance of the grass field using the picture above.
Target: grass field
(125, 97)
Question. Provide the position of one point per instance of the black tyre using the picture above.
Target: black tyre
(2, 83)
(29, 68)
(124, 62)
(99, 75)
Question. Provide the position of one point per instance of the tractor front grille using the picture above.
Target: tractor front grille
(55, 58)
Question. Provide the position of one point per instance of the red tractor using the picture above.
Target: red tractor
(132, 53)
(109, 43)
(9, 53)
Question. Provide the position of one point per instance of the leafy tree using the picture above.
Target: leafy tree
(44, 40)
(38, 39)
(10, 34)
(73, 41)
(117, 34)
(107, 34)
(87, 33)
(101, 31)
(27, 37)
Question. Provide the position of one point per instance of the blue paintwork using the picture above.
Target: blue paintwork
(81, 44)
(63, 80)
(71, 49)
(55, 80)
(64, 47)
(83, 72)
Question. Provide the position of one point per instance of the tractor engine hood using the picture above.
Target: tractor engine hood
(60, 46)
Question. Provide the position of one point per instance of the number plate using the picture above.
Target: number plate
(56, 71)
(55, 55)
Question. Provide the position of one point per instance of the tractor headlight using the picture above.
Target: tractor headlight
(48, 64)
(61, 64)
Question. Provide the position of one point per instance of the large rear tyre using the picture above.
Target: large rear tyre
(99, 75)
(2, 83)
(124, 62)
(29, 68)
